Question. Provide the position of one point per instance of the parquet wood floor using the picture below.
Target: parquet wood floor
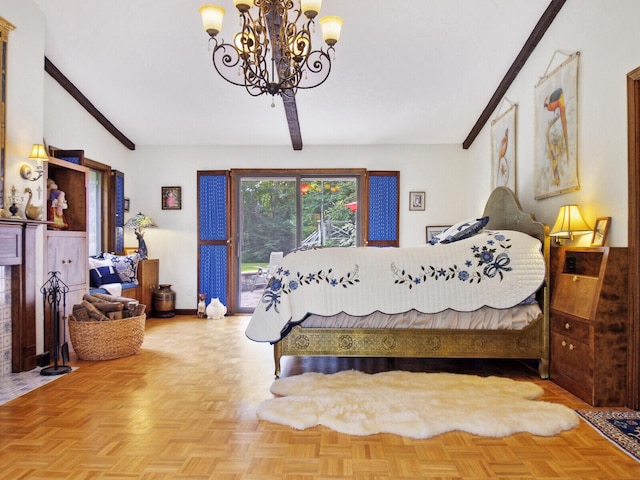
(184, 408)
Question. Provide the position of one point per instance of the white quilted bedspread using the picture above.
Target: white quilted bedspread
(498, 269)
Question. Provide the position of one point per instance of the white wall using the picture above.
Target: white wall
(434, 169)
(606, 35)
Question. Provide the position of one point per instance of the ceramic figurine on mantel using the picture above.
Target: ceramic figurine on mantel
(32, 212)
(13, 199)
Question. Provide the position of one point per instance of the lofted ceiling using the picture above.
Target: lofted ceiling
(406, 71)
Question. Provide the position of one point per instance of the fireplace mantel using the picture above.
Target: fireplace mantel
(17, 250)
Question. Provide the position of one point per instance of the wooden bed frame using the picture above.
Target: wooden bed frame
(530, 343)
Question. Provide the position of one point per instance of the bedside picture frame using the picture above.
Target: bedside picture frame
(434, 230)
(416, 201)
(600, 231)
(171, 198)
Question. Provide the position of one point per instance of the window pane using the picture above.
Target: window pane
(329, 212)
(95, 218)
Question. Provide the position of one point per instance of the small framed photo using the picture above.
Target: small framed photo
(127, 204)
(171, 198)
(600, 231)
(434, 231)
(416, 200)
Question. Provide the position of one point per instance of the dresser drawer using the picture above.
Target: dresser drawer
(575, 294)
(571, 358)
(571, 328)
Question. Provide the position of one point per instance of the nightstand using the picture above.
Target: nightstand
(589, 324)
(148, 274)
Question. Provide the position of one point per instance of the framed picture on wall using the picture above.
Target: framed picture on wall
(171, 198)
(416, 200)
(434, 231)
(556, 131)
(600, 231)
(503, 150)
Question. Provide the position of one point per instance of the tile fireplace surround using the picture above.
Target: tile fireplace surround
(18, 295)
(5, 321)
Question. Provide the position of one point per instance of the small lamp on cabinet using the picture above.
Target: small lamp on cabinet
(569, 223)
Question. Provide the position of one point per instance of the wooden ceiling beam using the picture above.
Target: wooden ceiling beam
(291, 111)
(536, 35)
(65, 83)
(289, 102)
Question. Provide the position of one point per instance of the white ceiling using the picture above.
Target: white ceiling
(406, 71)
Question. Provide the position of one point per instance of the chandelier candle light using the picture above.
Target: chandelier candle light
(272, 53)
(138, 223)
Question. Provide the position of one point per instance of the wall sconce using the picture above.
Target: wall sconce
(569, 223)
(39, 154)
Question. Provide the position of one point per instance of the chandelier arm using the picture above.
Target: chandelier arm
(318, 63)
(229, 58)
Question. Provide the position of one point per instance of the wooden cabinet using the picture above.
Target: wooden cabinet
(589, 323)
(67, 254)
(73, 180)
(67, 249)
(148, 276)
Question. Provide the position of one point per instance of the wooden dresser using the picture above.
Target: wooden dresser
(589, 323)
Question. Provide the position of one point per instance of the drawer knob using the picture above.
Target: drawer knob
(564, 344)
(567, 326)
(571, 347)
(575, 278)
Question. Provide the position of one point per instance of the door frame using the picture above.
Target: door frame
(633, 178)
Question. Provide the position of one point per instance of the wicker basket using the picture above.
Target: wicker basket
(108, 339)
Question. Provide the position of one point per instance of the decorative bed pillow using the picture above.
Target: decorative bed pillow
(126, 266)
(95, 262)
(460, 231)
(102, 275)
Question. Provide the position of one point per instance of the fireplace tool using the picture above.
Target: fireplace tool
(54, 297)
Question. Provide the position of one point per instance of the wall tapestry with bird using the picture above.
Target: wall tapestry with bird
(503, 149)
(556, 109)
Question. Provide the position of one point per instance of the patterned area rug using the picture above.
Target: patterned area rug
(14, 385)
(621, 428)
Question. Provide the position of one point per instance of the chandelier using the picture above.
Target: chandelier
(272, 53)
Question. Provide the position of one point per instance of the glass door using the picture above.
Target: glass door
(268, 212)
(283, 212)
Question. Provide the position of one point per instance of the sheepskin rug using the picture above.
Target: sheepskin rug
(416, 405)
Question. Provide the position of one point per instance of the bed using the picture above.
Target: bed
(322, 302)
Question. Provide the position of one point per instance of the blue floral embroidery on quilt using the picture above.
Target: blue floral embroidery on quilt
(489, 263)
(280, 284)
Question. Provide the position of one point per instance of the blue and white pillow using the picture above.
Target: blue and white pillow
(103, 275)
(460, 231)
(126, 266)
